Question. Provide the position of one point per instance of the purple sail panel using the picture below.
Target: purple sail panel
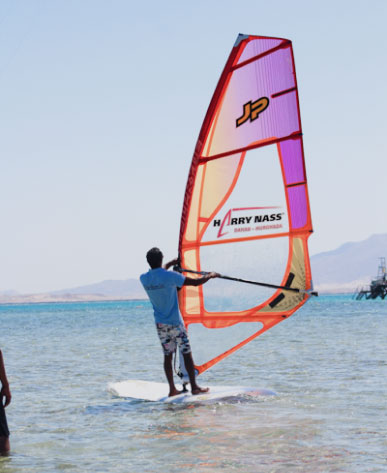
(298, 206)
(272, 78)
(292, 162)
(258, 46)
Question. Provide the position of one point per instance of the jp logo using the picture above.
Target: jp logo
(251, 110)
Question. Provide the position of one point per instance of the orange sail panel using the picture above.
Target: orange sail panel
(246, 209)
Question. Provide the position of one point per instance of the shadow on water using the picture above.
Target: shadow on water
(241, 435)
(121, 405)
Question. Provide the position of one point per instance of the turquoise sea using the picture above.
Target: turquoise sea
(327, 364)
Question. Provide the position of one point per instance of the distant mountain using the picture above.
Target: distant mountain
(124, 289)
(102, 291)
(344, 269)
(351, 265)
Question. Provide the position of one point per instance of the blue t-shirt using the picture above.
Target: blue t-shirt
(161, 286)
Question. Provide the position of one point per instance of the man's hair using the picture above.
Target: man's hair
(154, 258)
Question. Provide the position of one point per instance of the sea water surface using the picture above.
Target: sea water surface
(327, 364)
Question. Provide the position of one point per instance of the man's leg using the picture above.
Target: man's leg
(165, 333)
(190, 367)
(168, 368)
(184, 345)
(4, 432)
(4, 445)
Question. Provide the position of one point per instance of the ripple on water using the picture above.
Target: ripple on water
(327, 364)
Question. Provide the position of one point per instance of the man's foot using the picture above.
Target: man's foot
(199, 390)
(174, 392)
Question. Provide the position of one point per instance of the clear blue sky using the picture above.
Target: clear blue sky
(94, 150)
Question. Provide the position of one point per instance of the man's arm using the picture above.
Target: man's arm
(192, 281)
(200, 281)
(171, 263)
(5, 392)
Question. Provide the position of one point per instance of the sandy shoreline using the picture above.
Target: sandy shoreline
(63, 298)
(47, 298)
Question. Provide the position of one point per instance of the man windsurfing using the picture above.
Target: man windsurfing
(161, 286)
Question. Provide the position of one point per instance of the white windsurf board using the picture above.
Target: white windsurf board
(153, 391)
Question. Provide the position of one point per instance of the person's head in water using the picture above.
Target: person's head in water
(154, 258)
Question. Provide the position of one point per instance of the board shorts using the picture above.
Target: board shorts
(4, 432)
(173, 336)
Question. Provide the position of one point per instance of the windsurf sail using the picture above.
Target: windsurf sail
(246, 209)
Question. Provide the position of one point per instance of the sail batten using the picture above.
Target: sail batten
(267, 142)
(246, 208)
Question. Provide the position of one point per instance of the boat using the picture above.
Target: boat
(378, 286)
